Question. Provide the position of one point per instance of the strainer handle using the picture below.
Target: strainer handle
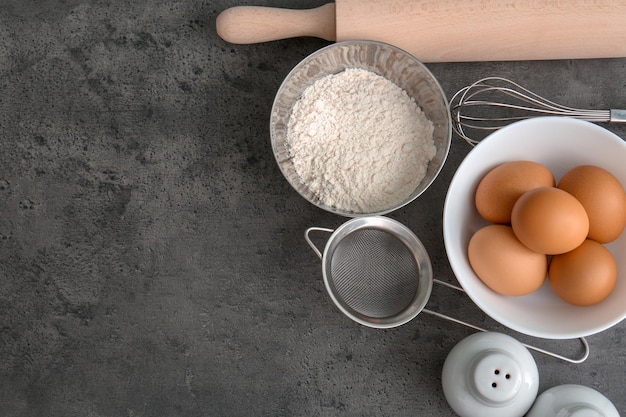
(308, 231)
(582, 340)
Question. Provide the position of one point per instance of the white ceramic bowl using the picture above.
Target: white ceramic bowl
(560, 144)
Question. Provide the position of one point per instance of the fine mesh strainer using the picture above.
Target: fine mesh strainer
(378, 273)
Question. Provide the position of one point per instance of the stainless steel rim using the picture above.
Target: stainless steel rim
(413, 245)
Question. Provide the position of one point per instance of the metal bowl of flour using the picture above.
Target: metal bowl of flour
(397, 172)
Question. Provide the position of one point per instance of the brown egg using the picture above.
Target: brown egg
(603, 198)
(584, 276)
(503, 264)
(549, 221)
(498, 190)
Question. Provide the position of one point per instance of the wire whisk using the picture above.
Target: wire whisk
(493, 102)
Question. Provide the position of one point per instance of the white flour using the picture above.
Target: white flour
(359, 142)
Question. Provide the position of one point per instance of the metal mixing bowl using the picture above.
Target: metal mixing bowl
(386, 60)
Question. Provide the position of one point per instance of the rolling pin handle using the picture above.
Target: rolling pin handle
(256, 24)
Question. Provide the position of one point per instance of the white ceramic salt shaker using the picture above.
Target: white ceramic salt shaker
(572, 401)
(490, 375)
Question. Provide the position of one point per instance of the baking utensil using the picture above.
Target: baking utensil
(378, 273)
(386, 60)
(559, 143)
(446, 31)
(493, 102)
(490, 375)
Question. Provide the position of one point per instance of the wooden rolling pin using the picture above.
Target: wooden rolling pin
(448, 30)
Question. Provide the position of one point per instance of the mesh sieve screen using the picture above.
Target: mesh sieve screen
(374, 273)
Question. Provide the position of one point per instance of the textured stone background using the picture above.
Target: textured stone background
(151, 254)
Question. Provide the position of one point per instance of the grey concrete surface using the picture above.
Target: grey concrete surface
(152, 260)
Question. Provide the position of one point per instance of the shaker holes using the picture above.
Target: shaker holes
(497, 372)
